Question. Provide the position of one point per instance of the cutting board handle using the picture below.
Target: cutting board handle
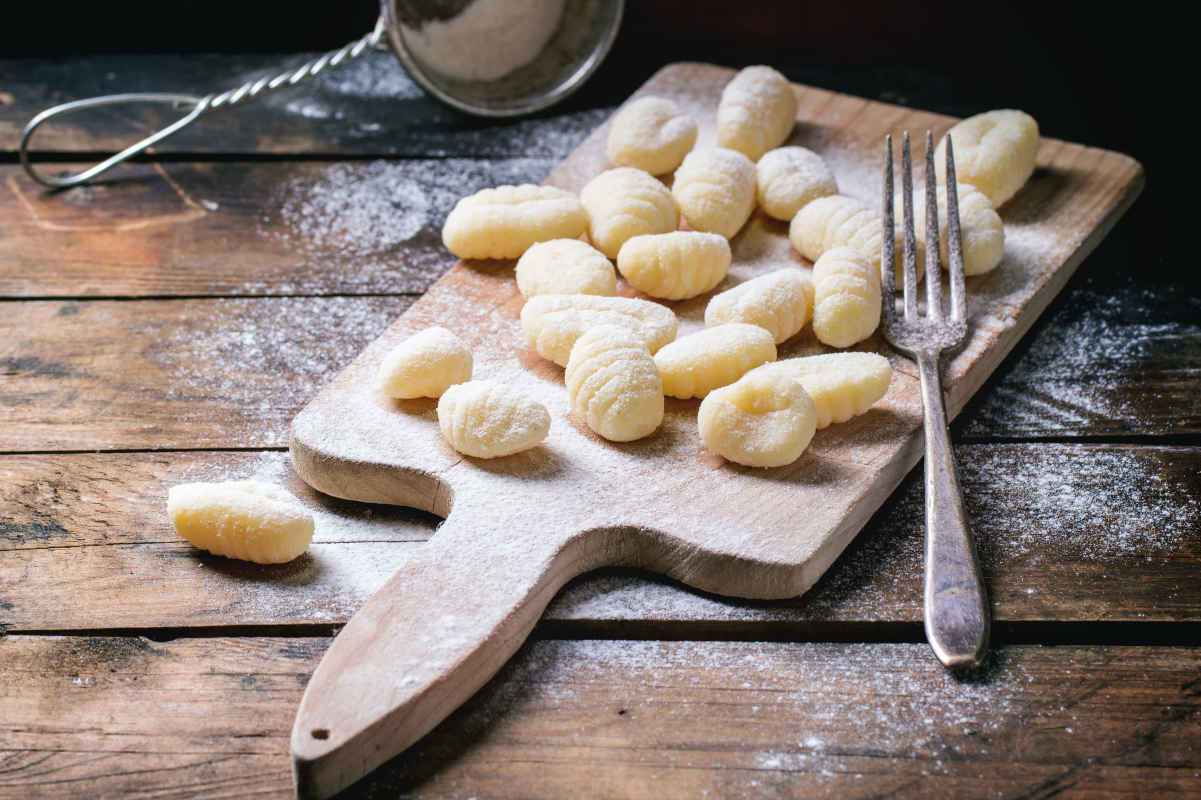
(435, 633)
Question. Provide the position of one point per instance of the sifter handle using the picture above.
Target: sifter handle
(196, 107)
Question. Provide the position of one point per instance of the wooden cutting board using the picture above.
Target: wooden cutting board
(518, 528)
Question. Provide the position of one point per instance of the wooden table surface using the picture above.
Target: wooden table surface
(166, 327)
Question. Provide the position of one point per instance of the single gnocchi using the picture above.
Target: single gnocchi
(841, 221)
(780, 302)
(676, 265)
(789, 178)
(846, 297)
(756, 112)
(697, 364)
(623, 203)
(842, 385)
(613, 384)
(715, 190)
(981, 232)
(485, 419)
(425, 365)
(651, 134)
(994, 151)
(249, 520)
(504, 222)
(761, 420)
(565, 266)
(551, 323)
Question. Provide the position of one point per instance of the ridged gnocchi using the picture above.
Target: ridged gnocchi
(250, 520)
(697, 364)
(994, 151)
(504, 222)
(780, 302)
(981, 232)
(613, 384)
(651, 134)
(551, 323)
(842, 385)
(846, 297)
(485, 419)
(841, 221)
(676, 265)
(789, 178)
(623, 203)
(425, 365)
(756, 112)
(565, 266)
(715, 190)
(761, 420)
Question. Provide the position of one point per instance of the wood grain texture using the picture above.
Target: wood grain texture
(1067, 533)
(619, 718)
(369, 107)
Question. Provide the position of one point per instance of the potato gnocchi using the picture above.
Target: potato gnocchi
(248, 520)
(841, 221)
(761, 420)
(425, 365)
(551, 323)
(981, 231)
(715, 190)
(565, 266)
(789, 178)
(504, 222)
(623, 203)
(756, 112)
(651, 134)
(846, 297)
(485, 419)
(994, 151)
(780, 302)
(675, 266)
(613, 384)
(697, 364)
(842, 385)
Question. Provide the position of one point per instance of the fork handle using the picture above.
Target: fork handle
(956, 608)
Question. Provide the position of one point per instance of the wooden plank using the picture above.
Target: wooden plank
(232, 228)
(369, 107)
(1066, 532)
(107, 717)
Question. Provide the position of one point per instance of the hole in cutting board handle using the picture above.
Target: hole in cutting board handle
(320, 733)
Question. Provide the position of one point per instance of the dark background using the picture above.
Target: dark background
(1088, 74)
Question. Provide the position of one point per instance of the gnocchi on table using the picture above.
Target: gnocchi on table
(697, 364)
(425, 365)
(981, 232)
(761, 420)
(565, 266)
(623, 203)
(676, 265)
(842, 385)
(651, 134)
(756, 112)
(846, 297)
(715, 190)
(789, 178)
(551, 323)
(613, 384)
(994, 151)
(504, 222)
(780, 302)
(249, 520)
(841, 221)
(485, 419)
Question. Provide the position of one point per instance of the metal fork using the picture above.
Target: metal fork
(956, 614)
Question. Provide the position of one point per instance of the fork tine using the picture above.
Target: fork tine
(954, 243)
(933, 275)
(888, 256)
(910, 258)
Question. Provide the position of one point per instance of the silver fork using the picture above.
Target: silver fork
(956, 612)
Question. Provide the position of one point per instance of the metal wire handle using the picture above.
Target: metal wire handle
(196, 105)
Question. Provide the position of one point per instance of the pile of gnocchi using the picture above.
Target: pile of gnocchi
(621, 355)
